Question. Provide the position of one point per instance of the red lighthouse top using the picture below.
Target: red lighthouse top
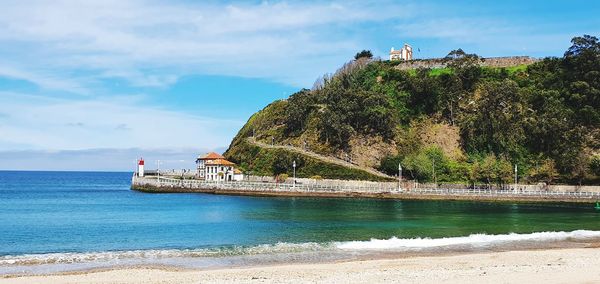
(141, 162)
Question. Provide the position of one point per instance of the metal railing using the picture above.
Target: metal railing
(369, 189)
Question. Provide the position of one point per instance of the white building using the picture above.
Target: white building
(405, 53)
(140, 169)
(238, 175)
(201, 163)
(214, 167)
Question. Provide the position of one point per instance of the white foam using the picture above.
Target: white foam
(474, 239)
(116, 256)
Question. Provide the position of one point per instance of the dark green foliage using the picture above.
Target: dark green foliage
(389, 165)
(364, 54)
(300, 105)
(544, 172)
(491, 169)
(492, 120)
(546, 113)
(595, 165)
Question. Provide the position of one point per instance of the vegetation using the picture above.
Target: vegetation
(278, 162)
(544, 117)
(282, 177)
(364, 54)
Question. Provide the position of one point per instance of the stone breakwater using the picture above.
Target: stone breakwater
(383, 190)
(434, 63)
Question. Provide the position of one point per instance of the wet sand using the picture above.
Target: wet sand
(567, 265)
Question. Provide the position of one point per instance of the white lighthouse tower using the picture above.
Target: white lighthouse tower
(141, 167)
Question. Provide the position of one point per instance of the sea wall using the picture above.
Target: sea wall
(434, 63)
(389, 191)
(409, 184)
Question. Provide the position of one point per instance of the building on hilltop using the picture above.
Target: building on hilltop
(405, 53)
(214, 167)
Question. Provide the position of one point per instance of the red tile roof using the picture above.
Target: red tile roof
(219, 162)
(211, 156)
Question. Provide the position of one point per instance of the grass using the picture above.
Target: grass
(514, 69)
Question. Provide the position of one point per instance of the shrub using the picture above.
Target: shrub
(595, 165)
(546, 172)
(282, 177)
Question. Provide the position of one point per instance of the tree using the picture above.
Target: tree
(545, 172)
(584, 48)
(364, 54)
(282, 177)
(418, 166)
(280, 165)
(424, 93)
(389, 164)
(595, 165)
(485, 170)
(504, 171)
(491, 169)
(298, 109)
(458, 59)
(427, 162)
(492, 121)
(580, 167)
(376, 115)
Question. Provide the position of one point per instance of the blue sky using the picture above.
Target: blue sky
(82, 80)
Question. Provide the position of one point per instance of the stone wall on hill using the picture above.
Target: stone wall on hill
(434, 63)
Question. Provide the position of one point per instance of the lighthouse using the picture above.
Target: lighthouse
(141, 167)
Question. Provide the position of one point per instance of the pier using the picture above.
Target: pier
(373, 190)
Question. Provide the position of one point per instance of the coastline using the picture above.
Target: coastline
(555, 265)
(357, 194)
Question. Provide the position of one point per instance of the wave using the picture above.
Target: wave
(473, 240)
(112, 256)
(395, 244)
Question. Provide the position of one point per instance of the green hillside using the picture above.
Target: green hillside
(464, 122)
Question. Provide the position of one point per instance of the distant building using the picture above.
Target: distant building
(405, 53)
(214, 167)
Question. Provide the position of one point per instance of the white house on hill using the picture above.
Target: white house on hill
(405, 53)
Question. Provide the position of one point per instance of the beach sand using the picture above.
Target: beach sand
(581, 265)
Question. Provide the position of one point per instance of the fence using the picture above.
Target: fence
(387, 188)
(261, 186)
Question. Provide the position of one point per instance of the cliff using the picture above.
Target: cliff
(470, 120)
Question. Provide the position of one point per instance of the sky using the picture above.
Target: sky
(93, 85)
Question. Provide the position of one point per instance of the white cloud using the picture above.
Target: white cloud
(42, 80)
(32, 122)
(119, 38)
(464, 30)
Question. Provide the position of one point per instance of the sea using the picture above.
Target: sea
(67, 221)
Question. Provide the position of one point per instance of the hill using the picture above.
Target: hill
(461, 123)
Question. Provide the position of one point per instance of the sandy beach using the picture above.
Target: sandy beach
(538, 266)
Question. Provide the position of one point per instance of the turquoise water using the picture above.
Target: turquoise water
(65, 213)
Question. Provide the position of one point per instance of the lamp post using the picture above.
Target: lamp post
(294, 166)
(434, 179)
(399, 177)
(158, 171)
(516, 176)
